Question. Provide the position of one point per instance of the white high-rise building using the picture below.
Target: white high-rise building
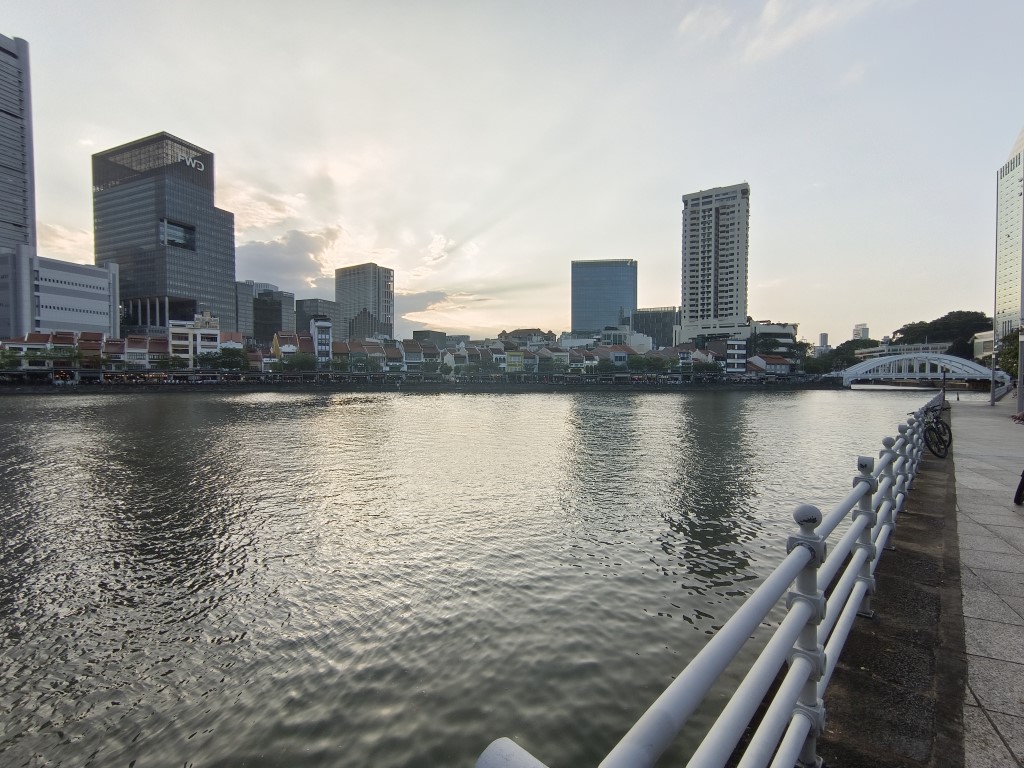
(715, 248)
(861, 331)
(1009, 241)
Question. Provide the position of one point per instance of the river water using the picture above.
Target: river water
(295, 579)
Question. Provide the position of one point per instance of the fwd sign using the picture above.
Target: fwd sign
(191, 162)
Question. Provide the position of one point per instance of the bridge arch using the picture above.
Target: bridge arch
(918, 366)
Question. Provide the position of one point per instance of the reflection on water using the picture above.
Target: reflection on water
(331, 580)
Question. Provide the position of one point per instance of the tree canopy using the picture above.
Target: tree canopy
(955, 327)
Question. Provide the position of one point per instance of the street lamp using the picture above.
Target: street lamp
(996, 347)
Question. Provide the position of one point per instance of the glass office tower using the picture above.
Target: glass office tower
(17, 176)
(365, 294)
(154, 216)
(603, 294)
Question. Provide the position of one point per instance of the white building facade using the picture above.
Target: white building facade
(46, 295)
(1009, 241)
(716, 242)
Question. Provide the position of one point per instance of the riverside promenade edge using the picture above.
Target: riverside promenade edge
(936, 677)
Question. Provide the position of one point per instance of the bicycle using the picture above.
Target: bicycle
(938, 435)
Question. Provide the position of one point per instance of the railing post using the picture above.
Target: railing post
(865, 510)
(807, 646)
(890, 513)
(908, 469)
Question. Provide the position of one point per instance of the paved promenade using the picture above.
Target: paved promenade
(936, 678)
(988, 451)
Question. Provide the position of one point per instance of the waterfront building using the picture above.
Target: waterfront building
(365, 294)
(188, 339)
(781, 338)
(43, 295)
(1009, 241)
(772, 365)
(321, 335)
(736, 357)
(17, 169)
(887, 350)
(307, 309)
(981, 346)
(603, 294)
(716, 239)
(437, 338)
(273, 311)
(244, 295)
(658, 323)
(154, 216)
(528, 338)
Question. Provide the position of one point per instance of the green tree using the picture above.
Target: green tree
(9, 359)
(957, 328)
(171, 363)
(843, 356)
(234, 360)
(636, 363)
(606, 366)
(445, 370)
(764, 345)
(301, 361)
(706, 369)
(1009, 353)
(209, 361)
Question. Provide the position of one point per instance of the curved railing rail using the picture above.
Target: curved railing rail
(810, 637)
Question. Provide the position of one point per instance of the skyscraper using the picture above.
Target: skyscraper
(715, 246)
(365, 294)
(17, 174)
(603, 294)
(154, 216)
(1009, 241)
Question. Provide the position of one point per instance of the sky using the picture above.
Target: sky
(478, 148)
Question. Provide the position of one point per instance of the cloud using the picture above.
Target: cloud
(856, 74)
(454, 312)
(705, 23)
(59, 242)
(784, 24)
(293, 261)
(257, 208)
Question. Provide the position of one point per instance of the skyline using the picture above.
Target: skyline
(479, 150)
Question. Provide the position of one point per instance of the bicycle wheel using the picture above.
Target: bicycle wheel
(945, 431)
(934, 442)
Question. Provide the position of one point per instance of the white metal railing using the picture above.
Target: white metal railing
(810, 637)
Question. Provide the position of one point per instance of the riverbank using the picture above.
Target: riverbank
(407, 387)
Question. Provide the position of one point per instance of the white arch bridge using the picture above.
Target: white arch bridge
(918, 368)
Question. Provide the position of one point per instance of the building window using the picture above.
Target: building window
(178, 235)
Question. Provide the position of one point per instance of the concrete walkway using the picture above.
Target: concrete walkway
(988, 450)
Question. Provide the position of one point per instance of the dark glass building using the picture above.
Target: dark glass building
(17, 177)
(656, 322)
(307, 310)
(154, 216)
(365, 294)
(272, 312)
(603, 294)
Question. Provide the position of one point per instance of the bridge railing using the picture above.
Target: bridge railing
(810, 637)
